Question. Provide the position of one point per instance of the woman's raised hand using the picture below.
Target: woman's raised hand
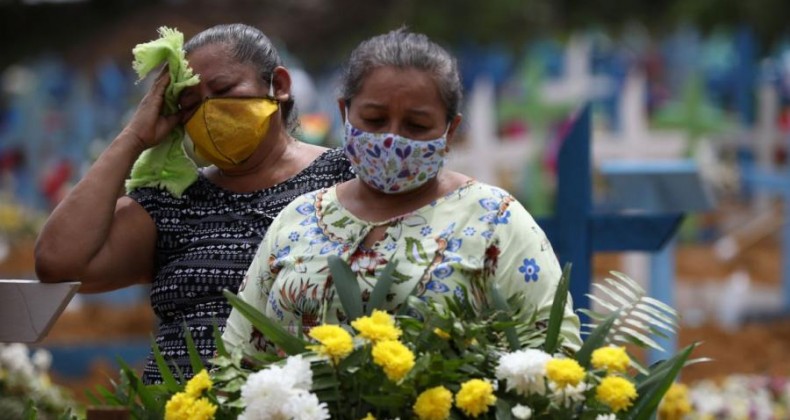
(148, 126)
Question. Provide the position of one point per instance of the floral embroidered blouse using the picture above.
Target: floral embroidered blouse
(474, 235)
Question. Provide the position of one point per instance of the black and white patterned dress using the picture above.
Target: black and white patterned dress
(205, 242)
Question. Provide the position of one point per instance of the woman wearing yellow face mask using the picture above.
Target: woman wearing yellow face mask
(192, 247)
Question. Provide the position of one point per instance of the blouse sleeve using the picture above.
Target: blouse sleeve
(255, 291)
(525, 263)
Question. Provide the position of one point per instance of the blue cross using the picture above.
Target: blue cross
(576, 230)
(776, 183)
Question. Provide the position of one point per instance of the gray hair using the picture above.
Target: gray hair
(249, 46)
(403, 49)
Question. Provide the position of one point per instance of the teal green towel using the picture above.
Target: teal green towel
(166, 165)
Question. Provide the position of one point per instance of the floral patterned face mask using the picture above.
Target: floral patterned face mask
(391, 163)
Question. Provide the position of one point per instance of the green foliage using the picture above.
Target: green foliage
(452, 342)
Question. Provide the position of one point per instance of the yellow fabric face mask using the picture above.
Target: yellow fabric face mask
(227, 131)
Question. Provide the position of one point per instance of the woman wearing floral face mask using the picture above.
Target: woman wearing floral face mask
(190, 248)
(400, 100)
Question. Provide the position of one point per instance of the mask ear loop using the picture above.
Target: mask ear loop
(271, 87)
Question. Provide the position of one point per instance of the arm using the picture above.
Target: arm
(527, 265)
(92, 235)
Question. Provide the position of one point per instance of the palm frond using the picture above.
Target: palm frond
(640, 318)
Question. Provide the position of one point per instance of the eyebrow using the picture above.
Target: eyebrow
(419, 112)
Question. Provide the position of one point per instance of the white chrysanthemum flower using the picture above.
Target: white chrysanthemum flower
(605, 417)
(15, 358)
(42, 360)
(568, 395)
(265, 393)
(521, 412)
(707, 398)
(304, 405)
(298, 369)
(524, 371)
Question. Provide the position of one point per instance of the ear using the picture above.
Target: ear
(282, 84)
(454, 124)
(341, 105)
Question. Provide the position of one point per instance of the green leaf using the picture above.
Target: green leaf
(503, 410)
(595, 340)
(557, 311)
(108, 396)
(94, 400)
(501, 305)
(382, 288)
(347, 287)
(164, 369)
(31, 411)
(194, 356)
(270, 329)
(221, 350)
(390, 401)
(149, 402)
(652, 390)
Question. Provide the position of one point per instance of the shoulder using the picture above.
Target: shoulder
(332, 161)
(301, 210)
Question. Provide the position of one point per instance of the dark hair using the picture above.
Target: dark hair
(249, 46)
(404, 49)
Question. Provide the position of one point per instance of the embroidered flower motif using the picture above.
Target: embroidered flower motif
(491, 260)
(442, 271)
(459, 293)
(294, 236)
(469, 231)
(437, 287)
(488, 234)
(391, 246)
(305, 209)
(366, 261)
(530, 269)
(426, 230)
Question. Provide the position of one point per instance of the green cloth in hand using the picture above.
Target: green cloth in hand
(165, 165)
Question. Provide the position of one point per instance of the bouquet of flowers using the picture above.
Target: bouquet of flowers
(25, 388)
(431, 360)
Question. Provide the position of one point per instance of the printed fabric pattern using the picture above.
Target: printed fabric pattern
(466, 239)
(206, 240)
(391, 163)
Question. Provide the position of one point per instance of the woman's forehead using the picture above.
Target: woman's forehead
(386, 84)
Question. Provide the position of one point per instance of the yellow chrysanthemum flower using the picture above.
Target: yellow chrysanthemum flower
(564, 372)
(395, 358)
(434, 404)
(676, 403)
(616, 392)
(377, 327)
(441, 333)
(475, 397)
(370, 416)
(199, 383)
(613, 359)
(335, 342)
(182, 406)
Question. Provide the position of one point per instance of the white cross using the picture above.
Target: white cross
(636, 141)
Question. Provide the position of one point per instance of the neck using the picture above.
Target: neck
(265, 161)
(375, 206)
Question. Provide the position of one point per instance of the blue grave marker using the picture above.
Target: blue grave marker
(776, 183)
(576, 230)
